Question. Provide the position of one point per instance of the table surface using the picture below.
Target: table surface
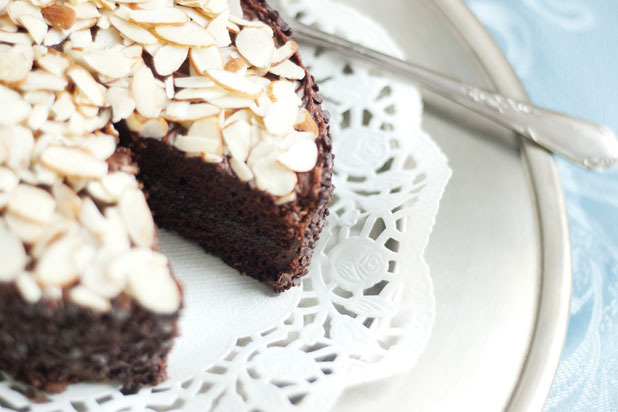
(565, 52)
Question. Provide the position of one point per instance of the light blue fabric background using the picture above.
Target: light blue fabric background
(566, 54)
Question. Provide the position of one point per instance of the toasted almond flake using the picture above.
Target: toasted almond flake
(87, 85)
(13, 111)
(193, 82)
(218, 28)
(144, 91)
(15, 62)
(154, 128)
(185, 111)
(55, 63)
(117, 183)
(204, 58)
(256, 45)
(15, 38)
(85, 10)
(137, 217)
(41, 80)
(111, 63)
(194, 15)
(241, 169)
(36, 27)
(122, 103)
(98, 192)
(12, 255)
(300, 157)
(68, 203)
(101, 146)
(288, 70)
(306, 123)
(28, 288)
(32, 203)
(273, 177)
(188, 34)
(28, 231)
(133, 31)
(280, 118)
(84, 297)
(203, 95)
(285, 91)
(18, 8)
(236, 65)
(57, 265)
(169, 58)
(234, 82)
(237, 137)
(158, 16)
(107, 39)
(197, 144)
(250, 23)
(73, 162)
(61, 17)
(153, 287)
(63, 107)
(284, 52)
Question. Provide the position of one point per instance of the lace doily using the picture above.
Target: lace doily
(366, 309)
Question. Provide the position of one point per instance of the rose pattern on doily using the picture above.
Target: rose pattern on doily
(365, 310)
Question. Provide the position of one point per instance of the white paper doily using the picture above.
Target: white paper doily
(366, 309)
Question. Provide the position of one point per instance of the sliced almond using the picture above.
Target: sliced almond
(87, 85)
(41, 80)
(235, 8)
(133, 31)
(61, 17)
(193, 82)
(256, 45)
(73, 162)
(197, 144)
(68, 203)
(300, 157)
(85, 11)
(98, 192)
(36, 27)
(101, 145)
(13, 111)
(211, 158)
(204, 58)
(234, 82)
(117, 183)
(237, 137)
(112, 63)
(188, 34)
(137, 217)
(196, 95)
(32, 203)
(288, 70)
(18, 8)
(154, 128)
(307, 124)
(20, 143)
(235, 65)
(154, 288)
(63, 107)
(218, 28)
(284, 52)
(57, 265)
(273, 177)
(28, 231)
(16, 38)
(15, 62)
(38, 116)
(55, 63)
(280, 118)
(12, 255)
(185, 111)
(169, 58)
(84, 297)
(144, 91)
(122, 103)
(243, 171)
(28, 288)
(158, 16)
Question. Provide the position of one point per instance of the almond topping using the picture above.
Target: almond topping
(300, 157)
(144, 90)
(288, 70)
(161, 15)
(153, 287)
(189, 34)
(284, 52)
(36, 27)
(61, 17)
(307, 124)
(111, 63)
(32, 203)
(28, 288)
(83, 296)
(280, 118)
(218, 29)
(57, 266)
(185, 111)
(73, 162)
(169, 58)
(204, 58)
(235, 65)
(256, 45)
(41, 80)
(137, 217)
(273, 177)
(12, 255)
(122, 103)
(15, 63)
(237, 137)
(133, 31)
(87, 85)
(234, 82)
(241, 169)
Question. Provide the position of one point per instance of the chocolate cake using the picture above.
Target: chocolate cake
(197, 110)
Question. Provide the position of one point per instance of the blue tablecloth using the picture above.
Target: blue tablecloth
(566, 54)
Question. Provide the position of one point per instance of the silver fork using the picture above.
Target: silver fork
(586, 144)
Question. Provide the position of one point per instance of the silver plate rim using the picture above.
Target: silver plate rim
(551, 325)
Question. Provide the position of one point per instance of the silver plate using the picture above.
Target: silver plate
(499, 255)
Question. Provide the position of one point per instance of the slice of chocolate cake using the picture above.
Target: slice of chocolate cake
(210, 102)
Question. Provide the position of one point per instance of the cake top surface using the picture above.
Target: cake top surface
(73, 220)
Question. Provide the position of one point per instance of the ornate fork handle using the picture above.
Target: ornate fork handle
(587, 144)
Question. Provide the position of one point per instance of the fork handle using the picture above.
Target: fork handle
(587, 144)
